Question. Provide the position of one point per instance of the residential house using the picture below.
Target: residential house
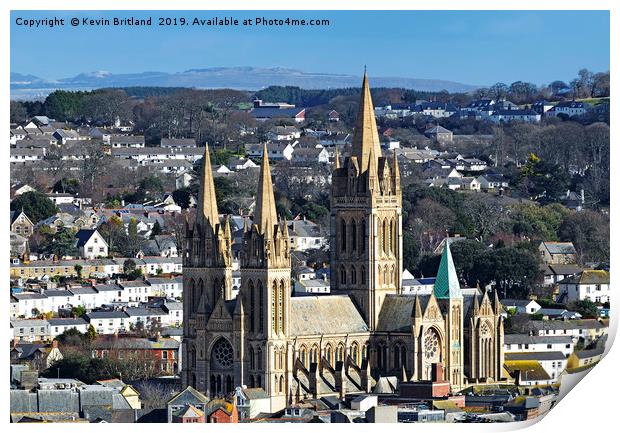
(30, 330)
(521, 306)
(159, 354)
(586, 330)
(21, 224)
(439, 134)
(251, 402)
(58, 326)
(519, 343)
(91, 244)
(492, 181)
(589, 284)
(108, 322)
(306, 235)
(557, 252)
(177, 142)
(181, 402)
(569, 109)
(127, 141)
(266, 111)
(38, 356)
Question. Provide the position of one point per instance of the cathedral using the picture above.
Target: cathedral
(314, 346)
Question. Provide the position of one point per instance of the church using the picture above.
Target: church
(315, 346)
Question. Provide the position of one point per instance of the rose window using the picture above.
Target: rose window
(222, 353)
(431, 345)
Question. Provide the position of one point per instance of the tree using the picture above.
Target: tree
(129, 266)
(60, 243)
(512, 269)
(78, 270)
(78, 311)
(72, 337)
(464, 254)
(91, 333)
(34, 204)
(586, 308)
(156, 230)
(589, 233)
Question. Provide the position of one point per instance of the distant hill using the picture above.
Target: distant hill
(241, 78)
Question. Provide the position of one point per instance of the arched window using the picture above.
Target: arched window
(363, 237)
(281, 317)
(353, 275)
(343, 275)
(259, 355)
(251, 356)
(274, 299)
(261, 308)
(385, 237)
(363, 275)
(355, 353)
(252, 307)
(403, 355)
(340, 353)
(365, 352)
(303, 356)
(391, 236)
(314, 354)
(396, 356)
(328, 355)
(353, 236)
(343, 236)
(215, 291)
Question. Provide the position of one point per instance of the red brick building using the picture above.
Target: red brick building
(162, 353)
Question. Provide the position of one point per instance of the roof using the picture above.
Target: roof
(589, 276)
(254, 393)
(188, 396)
(534, 356)
(106, 315)
(67, 322)
(84, 236)
(560, 247)
(565, 324)
(134, 343)
(396, 311)
(582, 354)
(530, 370)
(316, 315)
(516, 302)
(270, 112)
(537, 339)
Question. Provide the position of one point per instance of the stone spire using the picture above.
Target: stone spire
(207, 204)
(337, 159)
(265, 213)
(366, 136)
(447, 283)
(395, 172)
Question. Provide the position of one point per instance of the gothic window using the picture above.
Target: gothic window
(215, 291)
(343, 236)
(328, 355)
(274, 296)
(261, 308)
(353, 236)
(343, 275)
(385, 275)
(396, 357)
(314, 354)
(355, 353)
(192, 295)
(432, 350)
(199, 294)
(363, 235)
(252, 307)
(403, 355)
(281, 385)
(394, 235)
(353, 275)
(365, 352)
(392, 275)
(385, 237)
(222, 354)
(363, 275)
(281, 306)
(259, 359)
(303, 356)
(251, 356)
(340, 353)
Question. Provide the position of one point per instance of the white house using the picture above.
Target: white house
(590, 284)
(306, 235)
(59, 325)
(251, 401)
(108, 322)
(91, 244)
(519, 343)
(30, 330)
(171, 288)
(521, 306)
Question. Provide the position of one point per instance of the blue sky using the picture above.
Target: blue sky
(473, 47)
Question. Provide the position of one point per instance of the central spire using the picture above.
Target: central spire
(207, 203)
(265, 213)
(366, 136)
(447, 282)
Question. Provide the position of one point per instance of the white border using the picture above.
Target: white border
(590, 405)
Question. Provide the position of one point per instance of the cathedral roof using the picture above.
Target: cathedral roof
(324, 315)
(396, 312)
(447, 282)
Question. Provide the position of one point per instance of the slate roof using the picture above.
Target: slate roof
(134, 343)
(274, 112)
(534, 356)
(106, 315)
(537, 339)
(560, 247)
(566, 324)
(83, 236)
(396, 311)
(534, 370)
(589, 276)
(67, 322)
(316, 315)
(188, 396)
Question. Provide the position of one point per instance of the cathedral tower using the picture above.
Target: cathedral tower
(366, 218)
(207, 275)
(266, 291)
(448, 293)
